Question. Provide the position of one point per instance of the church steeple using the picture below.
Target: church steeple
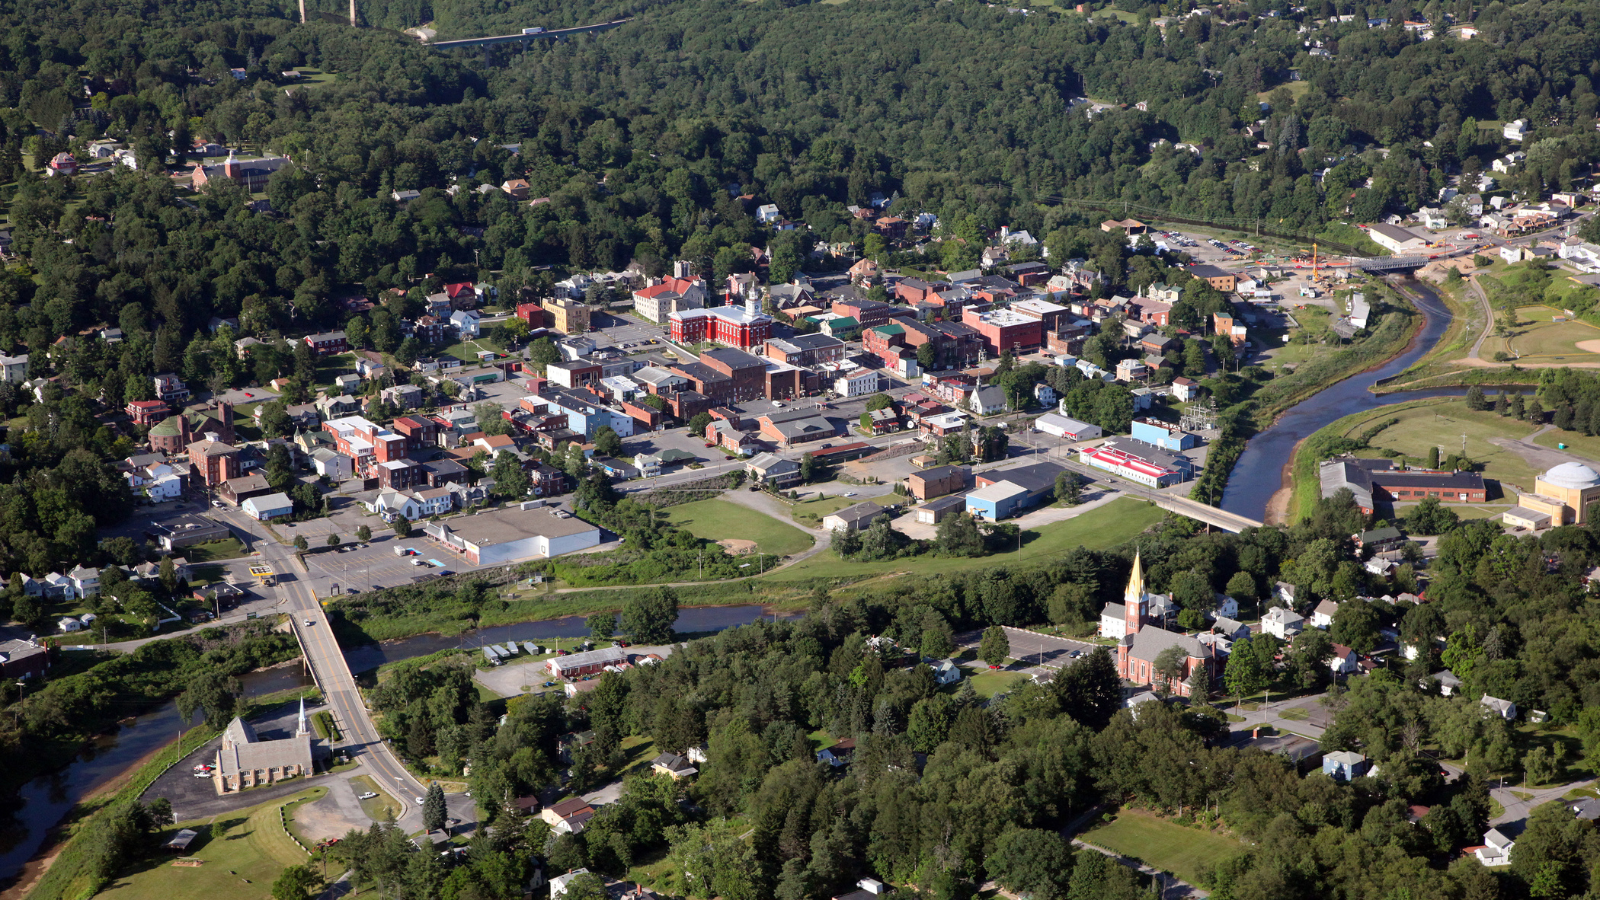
(302, 729)
(1133, 599)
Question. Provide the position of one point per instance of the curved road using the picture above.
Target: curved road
(338, 685)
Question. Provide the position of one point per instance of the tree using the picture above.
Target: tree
(434, 810)
(1244, 675)
(938, 640)
(275, 420)
(648, 616)
(994, 647)
(1090, 691)
(1169, 665)
(1242, 587)
(295, 883)
(542, 353)
(333, 540)
(958, 535)
(1355, 625)
(606, 442)
(300, 542)
(808, 468)
(697, 425)
(1031, 861)
(401, 526)
(927, 358)
(510, 480)
(363, 533)
(1475, 398)
(601, 625)
(587, 886)
(1069, 488)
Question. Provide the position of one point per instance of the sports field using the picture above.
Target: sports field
(720, 520)
(1442, 423)
(1538, 339)
(1163, 844)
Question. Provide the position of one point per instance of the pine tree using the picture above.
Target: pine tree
(1517, 410)
(1475, 399)
(434, 811)
(1500, 404)
(1535, 411)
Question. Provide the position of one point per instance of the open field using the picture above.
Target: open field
(1575, 441)
(242, 854)
(717, 520)
(1163, 844)
(1539, 340)
(811, 512)
(1441, 422)
(988, 683)
(1097, 529)
(214, 551)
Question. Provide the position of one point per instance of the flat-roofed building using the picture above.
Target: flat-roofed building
(517, 533)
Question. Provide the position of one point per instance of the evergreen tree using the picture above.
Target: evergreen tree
(434, 810)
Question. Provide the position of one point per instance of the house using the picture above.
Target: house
(945, 671)
(937, 482)
(328, 343)
(988, 400)
(770, 468)
(1282, 623)
(1515, 130)
(837, 755)
(567, 817)
(1322, 616)
(853, 518)
(1344, 661)
(1505, 709)
(1448, 682)
(1496, 849)
(465, 323)
(1184, 389)
(672, 765)
(267, 507)
(1345, 765)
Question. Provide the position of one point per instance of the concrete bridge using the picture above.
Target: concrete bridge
(1200, 512)
(553, 34)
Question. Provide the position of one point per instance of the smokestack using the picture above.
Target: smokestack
(352, 13)
(302, 12)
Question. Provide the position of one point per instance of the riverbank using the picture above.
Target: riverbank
(60, 869)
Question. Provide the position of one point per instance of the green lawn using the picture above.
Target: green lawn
(467, 351)
(718, 520)
(1163, 844)
(1538, 340)
(811, 512)
(1441, 422)
(1576, 442)
(243, 853)
(1097, 529)
(378, 808)
(214, 551)
(988, 683)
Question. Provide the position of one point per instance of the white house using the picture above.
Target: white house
(68, 624)
(1322, 616)
(1505, 709)
(85, 581)
(1515, 130)
(331, 464)
(1226, 607)
(465, 322)
(558, 884)
(1282, 623)
(768, 213)
(267, 507)
(1344, 661)
(946, 672)
(988, 400)
(1496, 849)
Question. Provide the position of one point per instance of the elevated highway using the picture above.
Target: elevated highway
(552, 34)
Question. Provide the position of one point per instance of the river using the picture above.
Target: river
(45, 800)
(1270, 451)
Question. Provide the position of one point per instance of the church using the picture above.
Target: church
(245, 760)
(1143, 639)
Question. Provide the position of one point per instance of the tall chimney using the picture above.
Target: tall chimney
(352, 13)
(302, 12)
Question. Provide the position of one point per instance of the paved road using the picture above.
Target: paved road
(338, 686)
(1516, 809)
(1488, 316)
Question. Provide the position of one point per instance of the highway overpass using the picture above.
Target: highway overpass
(552, 34)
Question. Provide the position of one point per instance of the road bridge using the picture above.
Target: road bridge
(1201, 512)
(1388, 263)
(552, 34)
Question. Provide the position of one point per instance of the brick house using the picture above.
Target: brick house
(328, 343)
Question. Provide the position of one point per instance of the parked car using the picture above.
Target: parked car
(369, 795)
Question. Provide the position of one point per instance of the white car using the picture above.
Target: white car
(420, 801)
(369, 795)
(308, 623)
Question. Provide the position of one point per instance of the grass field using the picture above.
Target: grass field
(214, 551)
(243, 853)
(1096, 529)
(1441, 422)
(1576, 441)
(1539, 340)
(716, 520)
(986, 684)
(811, 512)
(1163, 844)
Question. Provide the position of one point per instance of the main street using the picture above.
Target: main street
(338, 685)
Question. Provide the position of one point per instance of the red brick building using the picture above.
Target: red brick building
(870, 313)
(328, 343)
(533, 314)
(746, 373)
(805, 350)
(731, 325)
(1003, 331)
(213, 462)
(418, 431)
(146, 413)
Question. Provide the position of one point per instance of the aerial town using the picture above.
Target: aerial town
(605, 453)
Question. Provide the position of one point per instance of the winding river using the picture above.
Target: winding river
(44, 801)
(1252, 484)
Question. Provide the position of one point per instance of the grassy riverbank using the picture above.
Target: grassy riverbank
(69, 856)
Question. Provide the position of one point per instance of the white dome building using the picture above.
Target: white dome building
(1561, 496)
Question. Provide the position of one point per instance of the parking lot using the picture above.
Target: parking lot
(1043, 651)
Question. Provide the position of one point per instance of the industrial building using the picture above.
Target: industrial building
(511, 535)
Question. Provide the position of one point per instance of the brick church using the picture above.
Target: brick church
(1143, 640)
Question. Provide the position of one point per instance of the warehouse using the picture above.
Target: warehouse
(515, 534)
(590, 662)
(997, 501)
(1067, 428)
(1138, 462)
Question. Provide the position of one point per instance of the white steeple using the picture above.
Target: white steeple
(302, 729)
